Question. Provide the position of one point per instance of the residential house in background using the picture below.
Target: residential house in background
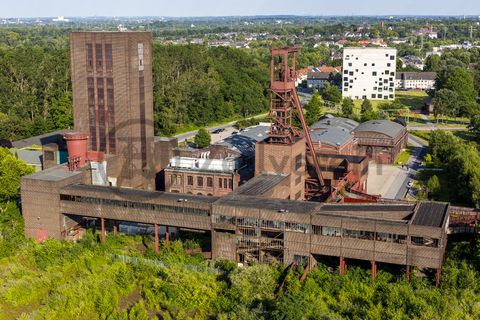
(415, 80)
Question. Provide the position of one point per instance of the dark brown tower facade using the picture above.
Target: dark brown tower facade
(113, 101)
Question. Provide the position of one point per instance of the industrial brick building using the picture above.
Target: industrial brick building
(381, 140)
(113, 100)
(264, 220)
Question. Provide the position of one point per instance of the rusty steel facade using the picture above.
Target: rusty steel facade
(250, 228)
(113, 99)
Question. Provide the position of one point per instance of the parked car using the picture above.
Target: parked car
(219, 130)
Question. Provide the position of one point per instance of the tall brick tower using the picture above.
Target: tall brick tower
(113, 101)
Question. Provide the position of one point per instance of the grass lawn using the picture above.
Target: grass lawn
(412, 98)
(403, 157)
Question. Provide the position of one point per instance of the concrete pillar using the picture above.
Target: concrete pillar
(343, 266)
(438, 276)
(114, 228)
(167, 236)
(408, 274)
(374, 270)
(156, 238)
(102, 223)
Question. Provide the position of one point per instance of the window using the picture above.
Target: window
(365, 64)
(190, 180)
(389, 64)
(298, 180)
(349, 64)
(140, 57)
(358, 234)
(89, 57)
(345, 78)
(296, 227)
(331, 231)
(345, 71)
(200, 181)
(49, 156)
(298, 195)
(298, 161)
(374, 73)
(373, 64)
(374, 96)
(392, 57)
(108, 57)
(351, 73)
(210, 182)
(225, 183)
(99, 57)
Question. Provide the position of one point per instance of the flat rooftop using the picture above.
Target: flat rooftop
(133, 194)
(399, 212)
(261, 184)
(238, 200)
(430, 214)
(41, 140)
(57, 173)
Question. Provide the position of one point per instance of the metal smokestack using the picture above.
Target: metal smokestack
(77, 149)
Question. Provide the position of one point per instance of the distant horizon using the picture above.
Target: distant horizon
(259, 15)
(26, 9)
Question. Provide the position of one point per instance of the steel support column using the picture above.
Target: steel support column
(167, 236)
(438, 276)
(102, 224)
(374, 269)
(343, 266)
(115, 229)
(156, 238)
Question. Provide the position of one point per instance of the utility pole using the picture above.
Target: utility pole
(471, 32)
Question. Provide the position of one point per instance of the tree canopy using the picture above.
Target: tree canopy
(202, 138)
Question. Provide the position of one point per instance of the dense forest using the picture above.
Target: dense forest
(193, 85)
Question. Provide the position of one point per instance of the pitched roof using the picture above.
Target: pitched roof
(416, 75)
(41, 140)
(318, 76)
(332, 136)
(330, 121)
(329, 69)
(386, 127)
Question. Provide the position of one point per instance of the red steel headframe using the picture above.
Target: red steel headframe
(283, 98)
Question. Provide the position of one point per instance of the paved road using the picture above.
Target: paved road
(414, 163)
(430, 128)
(228, 126)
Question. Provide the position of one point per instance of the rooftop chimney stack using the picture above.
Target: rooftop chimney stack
(77, 149)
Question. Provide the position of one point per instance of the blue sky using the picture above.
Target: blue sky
(184, 8)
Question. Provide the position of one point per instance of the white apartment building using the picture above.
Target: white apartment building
(369, 73)
(415, 80)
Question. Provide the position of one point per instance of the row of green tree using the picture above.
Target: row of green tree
(192, 85)
(461, 161)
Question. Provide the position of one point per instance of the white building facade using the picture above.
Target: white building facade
(369, 73)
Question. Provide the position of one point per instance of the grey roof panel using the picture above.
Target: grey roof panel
(431, 214)
(387, 127)
(329, 121)
(260, 184)
(332, 136)
(41, 140)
